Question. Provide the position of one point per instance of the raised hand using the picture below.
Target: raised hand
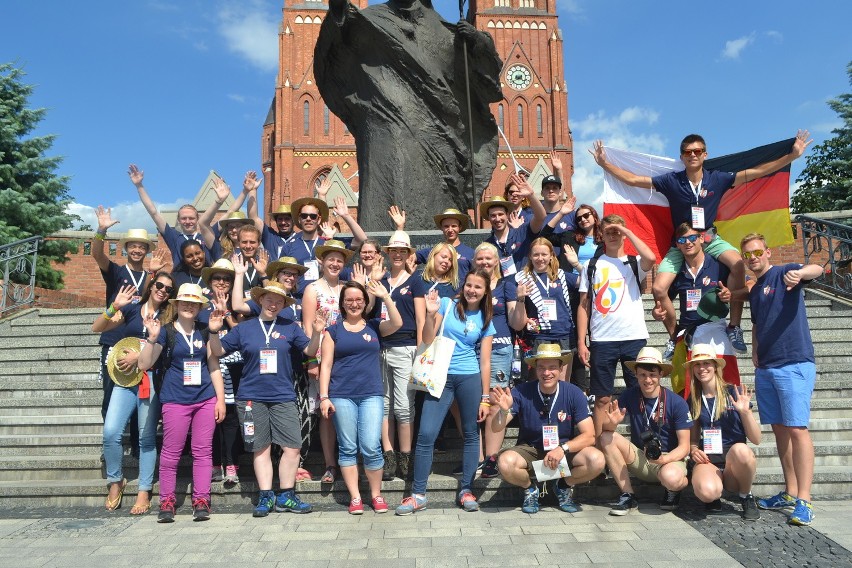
(397, 215)
(319, 321)
(240, 264)
(376, 289)
(803, 140)
(659, 312)
(105, 220)
(555, 161)
(614, 414)
(571, 255)
(152, 326)
(261, 261)
(524, 189)
(598, 153)
(221, 189)
(251, 182)
(433, 302)
(411, 263)
(217, 320)
(378, 269)
(515, 220)
(328, 230)
(323, 187)
(220, 300)
(569, 205)
(502, 397)
(340, 207)
(359, 273)
(124, 296)
(743, 400)
(136, 175)
(158, 260)
(523, 292)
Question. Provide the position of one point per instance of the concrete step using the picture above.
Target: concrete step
(47, 342)
(88, 398)
(51, 357)
(58, 424)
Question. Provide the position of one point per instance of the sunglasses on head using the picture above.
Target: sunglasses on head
(166, 287)
(311, 216)
(693, 152)
(687, 239)
(754, 253)
(585, 216)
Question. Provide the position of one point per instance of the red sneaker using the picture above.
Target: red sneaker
(379, 504)
(356, 507)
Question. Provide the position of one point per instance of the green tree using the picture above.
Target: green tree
(33, 198)
(827, 177)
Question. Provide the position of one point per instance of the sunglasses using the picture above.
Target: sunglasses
(311, 216)
(688, 239)
(694, 152)
(584, 216)
(221, 278)
(166, 287)
(288, 274)
(755, 253)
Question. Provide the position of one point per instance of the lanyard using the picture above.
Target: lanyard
(310, 249)
(193, 237)
(549, 407)
(188, 338)
(658, 409)
(545, 284)
(266, 333)
(696, 188)
(142, 312)
(136, 283)
(707, 406)
(393, 286)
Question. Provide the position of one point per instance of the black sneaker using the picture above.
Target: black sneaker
(626, 503)
(489, 468)
(217, 475)
(671, 500)
(713, 507)
(200, 510)
(750, 510)
(167, 510)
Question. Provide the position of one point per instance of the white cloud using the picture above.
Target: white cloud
(734, 47)
(775, 35)
(236, 98)
(826, 128)
(131, 214)
(250, 29)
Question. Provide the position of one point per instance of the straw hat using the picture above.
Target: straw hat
(333, 246)
(136, 236)
(259, 292)
(549, 351)
(221, 265)
(703, 352)
(190, 292)
(650, 356)
(399, 239)
(276, 266)
(132, 377)
(494, 201)
(282, 209)
(711, 307)
(235, 218)
(462, 218)
(296, 207)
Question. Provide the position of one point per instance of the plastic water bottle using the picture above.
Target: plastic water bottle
(248, 425)
(516, 364)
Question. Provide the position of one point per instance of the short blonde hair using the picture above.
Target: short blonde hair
(752, 237)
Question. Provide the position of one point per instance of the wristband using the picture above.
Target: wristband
(486, 397)
(151, 342)
(485, 404)
(322, 398)
(106, 316)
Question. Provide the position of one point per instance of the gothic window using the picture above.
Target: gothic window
(500, 118)
(539, 121)
(527, 3)
(325, 120)
(503, 3)
(306, 118)
(520, 121)
(321, 177)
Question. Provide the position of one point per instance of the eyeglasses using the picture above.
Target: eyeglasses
(288, 274)
(311, 216)
(368, 253)
(687, 239)
(693, 152)
(585, 216)
(357, 302)
(166, 287)
(754, 253)
(221, 278)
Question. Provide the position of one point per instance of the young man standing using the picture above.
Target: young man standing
(659, 435)
(785, 370)
(694, 195)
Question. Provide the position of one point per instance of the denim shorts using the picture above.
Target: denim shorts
(784, 394)
(501, 364)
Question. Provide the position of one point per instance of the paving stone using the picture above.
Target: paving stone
(507, 560)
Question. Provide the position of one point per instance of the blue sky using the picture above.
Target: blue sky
(182, 87)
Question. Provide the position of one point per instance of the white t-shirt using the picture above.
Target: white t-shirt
(617, 311)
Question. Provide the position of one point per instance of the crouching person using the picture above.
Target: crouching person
(548, 411)
(659, 435)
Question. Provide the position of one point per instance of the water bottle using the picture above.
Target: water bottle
(248, 425)
(516, 364)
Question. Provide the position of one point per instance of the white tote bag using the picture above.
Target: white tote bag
(432, 361)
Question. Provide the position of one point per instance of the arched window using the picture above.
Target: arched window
(520, 121)
(500, 118)
(539, 121)
(326, 120)
(306, 118)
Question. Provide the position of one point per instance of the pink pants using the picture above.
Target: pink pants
(178, 419)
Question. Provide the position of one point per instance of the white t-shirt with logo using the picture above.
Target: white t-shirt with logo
(617, 311)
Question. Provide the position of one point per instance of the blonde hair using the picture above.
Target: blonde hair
(552, 267)
(452, 275)
(695, 392)
(495, 270)
(752, 237)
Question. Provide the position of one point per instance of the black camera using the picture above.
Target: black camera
(651, 444)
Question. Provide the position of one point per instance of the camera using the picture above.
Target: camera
(651, 444)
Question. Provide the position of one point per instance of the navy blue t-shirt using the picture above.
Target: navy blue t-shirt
(730, 422)
(133, 321)
(566, 224)
(403, 297)
(464, 253)
(174, 239)
(563, 326)
(249, 339)
(273, 242)
(184, 277)
(711, 273)
(780, 319)
(115, 278)
(517, 245)
(355, 372)
(173, 389)
(568, 408)
(675, 186)
(506, 291)
(675, 417)
(421, 287)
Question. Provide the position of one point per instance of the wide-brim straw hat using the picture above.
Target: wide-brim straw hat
(399, 239)
(296, 207)
(333, 246)
(221, 265)
(136, 236)
(190, 292)
(132, 377)
(276, 266)
(550, 351)
(235, 218)
(462, 218)
(703, 352)
(650, 356)
(494, 201)
(282, 209)
(259, 292)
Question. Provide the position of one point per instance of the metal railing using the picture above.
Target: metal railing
(18, 270)
(829, 244)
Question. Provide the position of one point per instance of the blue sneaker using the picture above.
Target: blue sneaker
(565, 496)
(802, 515)
(530, 505)
(411, 505)
(669, 351)
(288, 502)
(265, 504)
(735, 335)
(781, 501)
(468, 501)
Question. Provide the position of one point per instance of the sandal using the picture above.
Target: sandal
(141, 507)
(303, 475)
(330, 474)
(113, 504)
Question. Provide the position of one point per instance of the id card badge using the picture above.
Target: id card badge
(313, 270)
(191, 373)
(507, 266)
(548, 310)
(135, 299)
(268, 361)
(384, 314)
(247, 294)
(693, 297)
(698, 218)
(550, 437)
(712, 440)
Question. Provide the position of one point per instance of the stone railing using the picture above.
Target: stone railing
(829, 244)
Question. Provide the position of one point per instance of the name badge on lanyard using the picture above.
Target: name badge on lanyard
(548, 310)
(191, 373)
(313, 270)
(550, 437)
(698, 218)
(693, 297)
(268, 361)
(507, 266)
(384, 315)
(712, 436)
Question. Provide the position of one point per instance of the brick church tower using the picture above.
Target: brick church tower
(303, 143)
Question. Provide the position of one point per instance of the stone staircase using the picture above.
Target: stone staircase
(50, 423)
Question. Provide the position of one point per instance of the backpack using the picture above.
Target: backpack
(165, 360)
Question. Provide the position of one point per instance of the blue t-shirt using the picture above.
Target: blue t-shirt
(116, 277)
(466, 334)
(273, 242)
(133, 321)
(183, 277)
(464, 253)
(292, 312)
(568, 408)
(403, 297)
(730, 422)
(517, 245)
(173, 389)
(708, 277)
(563, 326)
(421, 287)
(780, 320)
(174, 239)
(506, 291)
(677, 189)
(249, 339)
(675, 416)
(303, 251)
(356, 372)
(586, 251)
(565, 225)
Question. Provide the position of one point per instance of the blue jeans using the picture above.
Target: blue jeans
(122, 403)
(358, 422)
(467, 391)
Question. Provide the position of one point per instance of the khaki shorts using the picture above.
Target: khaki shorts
(531, 454)
(642, 469)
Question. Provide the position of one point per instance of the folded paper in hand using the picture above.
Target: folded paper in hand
(544, 473)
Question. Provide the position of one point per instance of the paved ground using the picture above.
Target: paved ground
(431, 538)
